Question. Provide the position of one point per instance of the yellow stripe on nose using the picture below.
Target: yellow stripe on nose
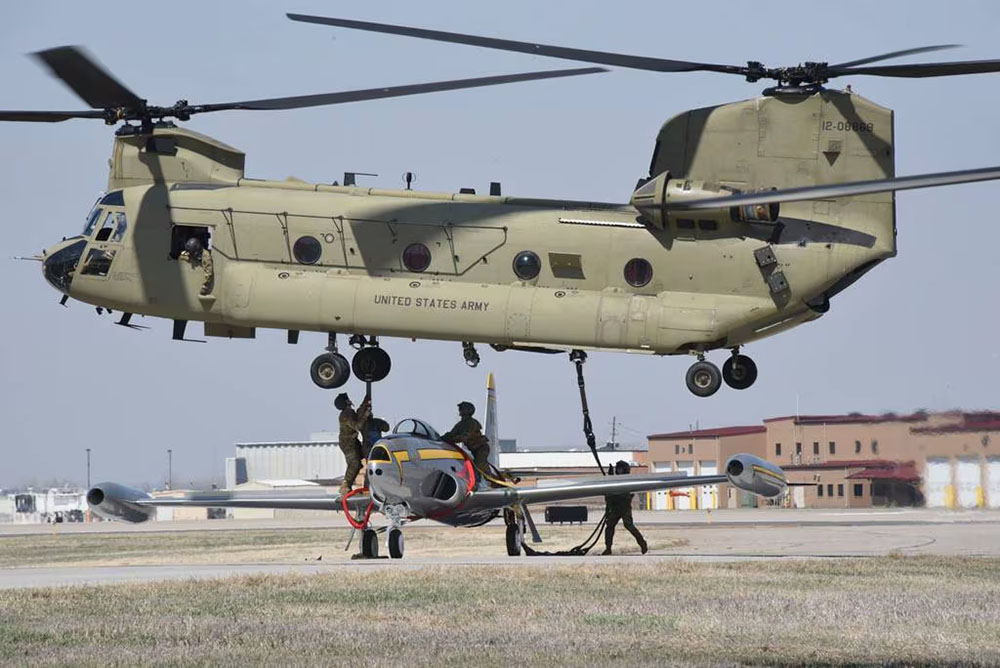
(431, 453)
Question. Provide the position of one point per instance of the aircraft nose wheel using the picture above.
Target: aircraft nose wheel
(330, 370)
(369, 543)
(395, 543)
(371, 364)
(739, 372)
(703, 379)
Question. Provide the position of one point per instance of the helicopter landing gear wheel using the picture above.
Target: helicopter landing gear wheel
(330, 370)
(513, 541)
(739, 372)
(369, 544)
(703, 379)
(395, 544)
(371, 365)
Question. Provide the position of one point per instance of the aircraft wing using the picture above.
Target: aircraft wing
(565, 490)
(118, 502)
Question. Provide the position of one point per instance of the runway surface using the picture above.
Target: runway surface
(727, 535)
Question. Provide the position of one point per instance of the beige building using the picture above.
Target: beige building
(947, 459)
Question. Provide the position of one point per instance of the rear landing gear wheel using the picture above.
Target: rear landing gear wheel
(739, 372)
(371, 365)
(513, 541)
(369, 544)
(703, 379)
(395, 543)
(330, 370)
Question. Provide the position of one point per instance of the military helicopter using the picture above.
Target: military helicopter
(752, 217)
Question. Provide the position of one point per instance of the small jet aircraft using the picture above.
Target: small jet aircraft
(412, 474)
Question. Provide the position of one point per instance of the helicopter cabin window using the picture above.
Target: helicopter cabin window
(638, 272)
(307, 250)
(92, 219)
(180, 234)
(527, 265)
(113, 228)
(98, 262)
(416, 257)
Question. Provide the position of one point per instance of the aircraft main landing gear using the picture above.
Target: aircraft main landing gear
(739, 371)
(370, 364)
(703, 378)
(330, 370)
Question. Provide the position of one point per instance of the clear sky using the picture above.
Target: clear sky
(918, 332)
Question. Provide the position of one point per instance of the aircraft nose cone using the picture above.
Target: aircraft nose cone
(61, 262)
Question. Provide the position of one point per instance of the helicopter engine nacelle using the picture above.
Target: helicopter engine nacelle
(753, 474)
(661, 200)
(112, 501)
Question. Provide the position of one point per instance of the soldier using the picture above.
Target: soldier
(469, 433)
(619, 507)
(351, 423)
(194, 253)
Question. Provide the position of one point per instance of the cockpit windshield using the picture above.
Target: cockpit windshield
(92, 218)
(414, 427)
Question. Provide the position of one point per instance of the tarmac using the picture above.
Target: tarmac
(720, 535)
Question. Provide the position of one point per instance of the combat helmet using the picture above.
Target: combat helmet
(466, 409)
(342, 401)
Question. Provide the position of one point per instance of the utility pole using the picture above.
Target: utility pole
(170, 468)
(614, 431)
(88, 468)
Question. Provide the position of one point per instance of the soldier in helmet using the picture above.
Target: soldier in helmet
(351, 423)
(195, 253)
(619, 507)
(469, 433)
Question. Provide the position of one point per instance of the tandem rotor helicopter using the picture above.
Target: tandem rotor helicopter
(752, 217)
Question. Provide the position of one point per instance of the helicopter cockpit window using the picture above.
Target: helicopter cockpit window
(98, 262)
(92, 218)
(415, 427)
(114, 199)
(113, 228)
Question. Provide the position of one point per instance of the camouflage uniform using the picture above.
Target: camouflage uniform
(207, 266)
(469, 433)
(619, 507)
(351, 422)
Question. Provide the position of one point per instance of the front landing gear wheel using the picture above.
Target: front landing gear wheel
(369, 544)
(330, 370)
(395, 543)
(371, 364)
(739, 372)
(513, 541)
(703, 379)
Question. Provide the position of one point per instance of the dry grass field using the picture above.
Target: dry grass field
(893, 610)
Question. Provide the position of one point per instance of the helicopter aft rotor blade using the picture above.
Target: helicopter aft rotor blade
(920, 70)
(599, 57)
(835, 190)
(896, 54)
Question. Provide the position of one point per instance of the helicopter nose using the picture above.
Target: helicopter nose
(61, 262)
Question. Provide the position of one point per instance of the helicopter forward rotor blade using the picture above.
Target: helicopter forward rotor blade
(48, 116)
(896, 54)
(87, 79)
(343, 97)
(920, 70)
(584, 55)
(849, 189)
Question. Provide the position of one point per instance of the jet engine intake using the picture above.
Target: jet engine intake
(442, 487)
(662, 199)
(112, 501)
(753, 474)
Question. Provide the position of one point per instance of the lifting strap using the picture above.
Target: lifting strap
(578, 357)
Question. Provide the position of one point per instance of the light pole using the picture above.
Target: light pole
(170, 468)
(88, 468)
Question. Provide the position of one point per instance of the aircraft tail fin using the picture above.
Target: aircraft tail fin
(492, 428)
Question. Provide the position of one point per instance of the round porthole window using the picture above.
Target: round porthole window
(638, 272)
(527, 265)
(416, 257)
(307, 250)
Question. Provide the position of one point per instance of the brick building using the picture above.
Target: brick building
(947, 459)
